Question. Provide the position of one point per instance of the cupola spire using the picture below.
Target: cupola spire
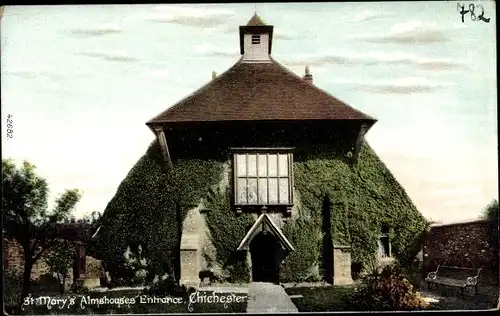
(256, 40)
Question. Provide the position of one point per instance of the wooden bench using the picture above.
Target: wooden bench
(454, 276)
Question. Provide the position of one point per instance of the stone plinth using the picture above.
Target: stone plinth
(342, 265)
(190, 260)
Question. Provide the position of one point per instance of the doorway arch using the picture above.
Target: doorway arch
(266, 255)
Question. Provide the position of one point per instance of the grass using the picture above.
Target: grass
(451, 298)
(322, 299)
(200, 306)
(335, 298)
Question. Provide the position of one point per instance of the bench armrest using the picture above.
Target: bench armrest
(432, 275)
(472, 280)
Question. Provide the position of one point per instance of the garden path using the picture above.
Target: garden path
(266, 297)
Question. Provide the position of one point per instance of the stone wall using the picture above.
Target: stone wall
(342, 265)
(470, 244)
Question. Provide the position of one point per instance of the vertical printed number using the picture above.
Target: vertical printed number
(10, 126)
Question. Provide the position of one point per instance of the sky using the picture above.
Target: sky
(80, 82)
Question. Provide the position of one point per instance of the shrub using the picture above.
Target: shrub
(12, 285)
(59, 261)
(388, 289)
(169, 286)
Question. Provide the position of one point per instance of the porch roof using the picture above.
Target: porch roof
(265, 223)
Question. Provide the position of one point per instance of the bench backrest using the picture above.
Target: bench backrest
(457, 273)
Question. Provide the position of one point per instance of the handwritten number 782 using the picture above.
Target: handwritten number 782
(473, 16)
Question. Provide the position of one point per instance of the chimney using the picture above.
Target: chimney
(214, 75)
(308, 77)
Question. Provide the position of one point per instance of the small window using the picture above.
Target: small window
(263, 178)
(384, 242)
(255, 39)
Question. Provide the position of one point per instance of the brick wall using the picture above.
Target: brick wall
(14, 262)
(471, 244)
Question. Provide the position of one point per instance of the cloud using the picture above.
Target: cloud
(160, 73)
(33, 72)
(105, 29)
(373, 59)
(398, 86)
(412, 32)
(187, 16)
(277, 34)
(368, 15)
(119, 56)
(211, 50)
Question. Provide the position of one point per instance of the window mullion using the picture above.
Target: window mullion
(290, 179)
(246, 176)
(267, 177)
(257, 179)
(278, 175)
(235, 177)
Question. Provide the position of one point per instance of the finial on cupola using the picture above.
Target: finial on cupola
(308, 77)
(214, 75)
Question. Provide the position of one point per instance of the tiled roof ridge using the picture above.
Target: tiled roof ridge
(199, 90)
(256, 20)
(284, 72)
(319, 89)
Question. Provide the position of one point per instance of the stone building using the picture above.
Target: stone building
(261, 120)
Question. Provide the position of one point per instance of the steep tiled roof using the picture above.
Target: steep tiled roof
(259, 91)
(255, 21)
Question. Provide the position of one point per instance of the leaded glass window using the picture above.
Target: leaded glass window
(263, 178)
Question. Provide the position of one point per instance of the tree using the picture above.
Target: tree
(59, 260)
(490, 212)
(26, 217)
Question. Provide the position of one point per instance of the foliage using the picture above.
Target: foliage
(60, 260)
(362, 198)
(388, 289)
(168, 286)
(148, 209)
(322, 298)
(490, 212)
(299, 265)
(226, 232)
(26, 217)
(151, 203)
(12, 285)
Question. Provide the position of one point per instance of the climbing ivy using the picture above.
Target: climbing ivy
(148, 208)
(304, 235)
(226, 232)
(151, 203)
(361, 198)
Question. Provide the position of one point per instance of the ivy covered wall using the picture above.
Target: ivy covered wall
(358, 200)
(147, 210)
(355, 200)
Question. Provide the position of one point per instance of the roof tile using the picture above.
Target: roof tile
(259, 92)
